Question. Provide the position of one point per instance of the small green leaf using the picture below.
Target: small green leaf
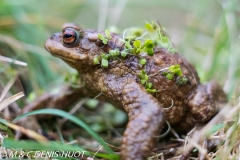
(105, 41)
(137, 32)
(149, 85)
(181, 81)
(137, 51)
(101, 37)
(137, 44)
(143, 81)
(149, 43)
(151, 90)
(169, 76)
(146, 77)
(175, 69)
(143, 76)
(142, 72)
(172, 68)
(149, 51)
(143, 61)
(108, 34)
(164, 73)
(165, 39)
(108, 56)
(105, 56)
(104, 63)
(128, 45)
(95, 60)
(178, 72)
(114, 53)
(124, 53)
(149, 27)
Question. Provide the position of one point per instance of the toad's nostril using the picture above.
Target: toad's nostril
(56, 36)
(53, 36)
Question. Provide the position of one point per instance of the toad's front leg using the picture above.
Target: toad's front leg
(146, 118)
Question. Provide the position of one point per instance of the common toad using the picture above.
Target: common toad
(119, 80)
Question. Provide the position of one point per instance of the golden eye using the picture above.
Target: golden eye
(70, 37)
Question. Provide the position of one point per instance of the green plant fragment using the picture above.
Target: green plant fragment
(181, 81)
(149, 85)
(137, 32)
(143, 81)
(114, 53)
(105, 56)
(175, 69)
(108, 34)
(149, 27)
(151, 90)
(128, 45)
(124, 53)
(143, 61)
(146, 77)
(169, 76)
(165, 39)
(108, 56)
(164, 73)
(178, 72)
(104, 63)
(137, 51)
(137, 44)
(149, 51)
(105, 41)
(148, 43)
(95, 60)
(102, 38)
(142, 72)
(143, 76)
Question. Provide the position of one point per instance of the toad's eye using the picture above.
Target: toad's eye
(70, 37)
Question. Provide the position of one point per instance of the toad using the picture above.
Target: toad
(144, 76)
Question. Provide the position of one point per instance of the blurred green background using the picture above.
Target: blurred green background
(206, 32)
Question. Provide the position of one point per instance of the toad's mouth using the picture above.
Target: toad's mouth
(66, 59)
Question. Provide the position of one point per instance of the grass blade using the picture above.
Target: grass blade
(6, 59)
(29, 133)
(71, 118)
(5, 90)
(9, 100)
